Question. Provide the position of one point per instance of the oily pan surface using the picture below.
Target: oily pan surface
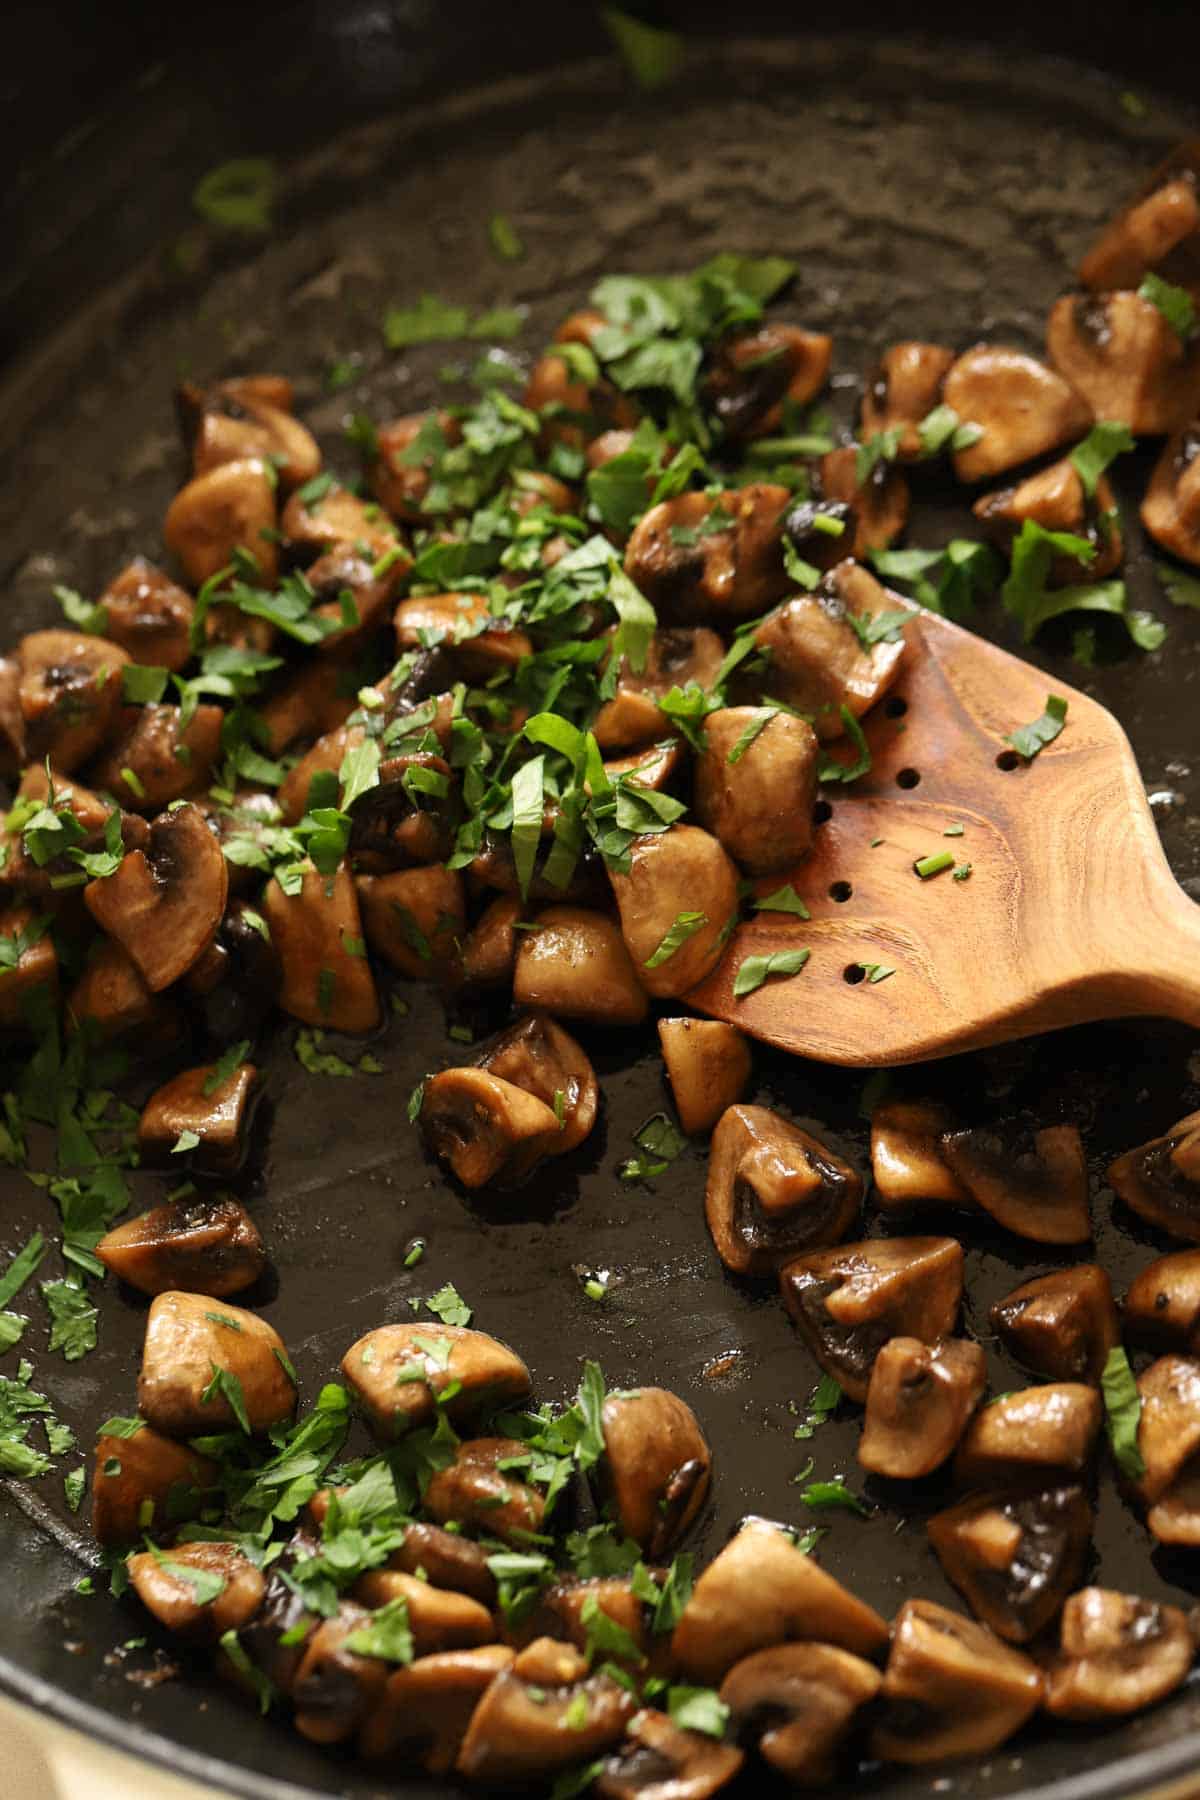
(921, 196)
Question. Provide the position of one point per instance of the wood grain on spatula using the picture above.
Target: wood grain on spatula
(1070, 912)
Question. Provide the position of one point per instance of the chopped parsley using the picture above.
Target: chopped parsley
(755, 970)
(1174, 303)
(1028, 740)
(684, 926)
(1122, 1413)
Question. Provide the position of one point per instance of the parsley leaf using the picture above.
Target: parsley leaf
(1174, 303)
(237, 196)
(698, 1709)
(72, 1318)
(1107, 440)
(650, 53)
(388, 1635)
(226, 1385)
(1028, 597)
(1181, 589)
(1122, 1413)
(449, 1306)
(784, 899)
(23, 1265)
(684, 926)
(821, 1494)
(755, 970)
(1029, 739)
(226, 1066)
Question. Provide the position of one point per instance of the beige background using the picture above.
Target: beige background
(43, 1761)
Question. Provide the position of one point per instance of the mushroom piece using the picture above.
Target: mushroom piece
(149, 616)
(654, 766)
(658, 1760)
(488, 1131)
(414, 919)
(754, 375)
(675, 658)
(335, 1688)
(327, 979)
(1015, 1559)
(1057, 499)
(337, 519)
(708, 1066)
(111, 998)
(1162, 1306)
(424, 1710)
(1171, 508)
(920, 1399)
(1022, 1437)
(1126, 359)
(1118, 1654)
(478, 1493)
(159, 760)
(204, 1111)
(237, 419)
(797, 1703)
(32, 870)
(817, 526)
(205, 1370)
(174, 1586)
(657, 1465)
(569, 1608)
(438, 1618)
(1168, 1441)
(542, 1713)
(481, 643)
(817, 663)
(902, 390)
(1143, 235)
(307, 703)
(773, 1189)
(539, 1056)
(1160, 1181)
(575, 411)
(847, 1302)
(12, 721)
(69, 695)
(202, 1245)
(164, 905)
(354, 593)
(906, 1156)
(275, 1639)
(25, 936)
(1023, 409)
(679, 881)
(1061, 1325)
(398, 1373)
(761, 1590)
(235, 985)
(878, 505)
(489, 950)
(407, 816)
(144, 1481)
(445, 1559)
(951, 1688)
(575, 964)
(756, 785)
(702, 559)
(229, 508)
(1040, 1194)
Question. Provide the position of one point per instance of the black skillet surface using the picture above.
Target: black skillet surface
(923, 192)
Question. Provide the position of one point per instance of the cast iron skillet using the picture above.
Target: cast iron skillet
(926, 190)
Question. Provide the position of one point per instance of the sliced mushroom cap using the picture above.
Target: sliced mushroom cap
(817, 663)
(1023, 409)
(1015, 1559)
(149, 616)
(761, 1590)
(951, 1688)
(1162, 1307)
(479, 1493)
(164, 905)
(234, 420)
(489, 950)
(847, 1302)
(201, 1104)
(229, 508)
(539, 1056)
(797, 1703)
(1129, 363)
(680, 873)
(70, 695)
(36, 964)
(1118, 1654)
(906, 1156)
(756, 785)
(708, 1065)
(654, 766)
(657, 1465)
(446, 1559)
(1024, 1436)
(773, 1189)
(484, 1373)
(1168, 1441)
(1160, 1181)
(414, 919)
(568, 1609)
(193, 1355)
(160, 1581)
(111, 998)
(700, 559)
(1171, 509)
(675, 658)
(158, 760)
(1142, 235)
(438, 1618)
(200, 1244)
(336, 519)
(878, 506)
(480, 643)
(145, 1482)
(541, 1714)
(903, 389)
(335, 1689)
(487, 1130)
(919, 1402)
(327, 979)
(424, 1710)
(1061, 1325)
(756, 373)
(575, 964)
(1040, 1193)
(658, 1760)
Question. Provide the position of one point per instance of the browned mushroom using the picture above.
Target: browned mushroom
(481, 643)
(148, 615)
(659, 1760)
(337, 518)
(43, 881)
(165, 904)
(12, 719)
(159, 759)
(1056, 499)
(539, 1056)
(702, 559)
(208, 1111)
(901, 391)
(1061, 1325)
(398, 1373)
(489, 1131)
(1162, 1306)
(906, 1156)
(275, 1639)
(1023, 409)
(919, 1401)
(408, 449)
(325, 757)
(489, 950)
(111, 998)
(438, 1618)
(1040, 1193)
(1168, 1441)
(1118, 1654)
(708, 1066)
(797, 1703)
(542, 1713)
(761, 1590)
(575, 410)
(317, 932)
(479, 1493)
(446, 1559)
(1126, 359)
(951, 1688)
(335, 1688)
(70, 695)
(570, 1609)
(678, 902)
(200, 1244)
(424, 1710)
(847, 1302)
(36, 964)
(414, 919)
(657, 1465)
(773, 1189)
(1015, 1558)
(654, 766)
(144, 1481)
(817, 663)
(675, 658)
(229, 508)
(756, 785)
(1160, 1181)
(1143, 234)
(175, 1586)
(575, 964)
(1171, 509)
(877, 505)
(755, 374)
(235, 984)
(354, 593)
(1027, 1435)
(235, 419)
(208, 1369)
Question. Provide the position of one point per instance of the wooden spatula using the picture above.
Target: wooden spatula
(1070, 911)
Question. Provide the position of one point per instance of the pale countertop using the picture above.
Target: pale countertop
(45, 1761)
